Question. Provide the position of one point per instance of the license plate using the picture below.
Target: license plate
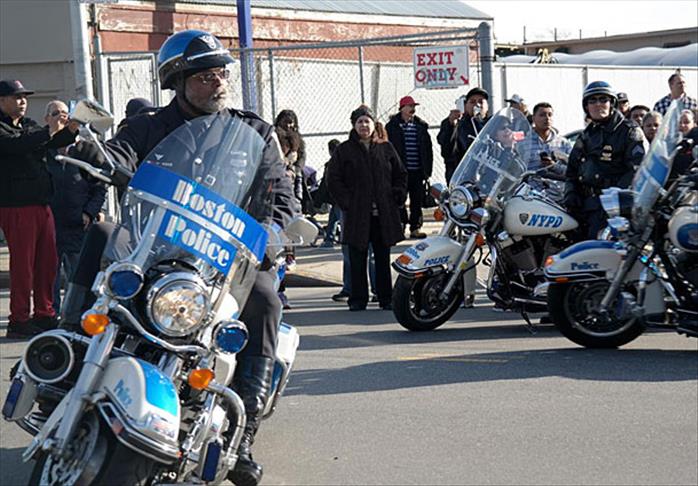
(12, 397)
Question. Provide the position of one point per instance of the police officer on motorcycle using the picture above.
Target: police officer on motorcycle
(194, 64)
(605, 155)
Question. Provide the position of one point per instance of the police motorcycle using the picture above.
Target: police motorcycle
(142, 396)
(603, 294)
(492, 216)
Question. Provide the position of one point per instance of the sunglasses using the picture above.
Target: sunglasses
(598, 99)
(211, 76)
(58, 112)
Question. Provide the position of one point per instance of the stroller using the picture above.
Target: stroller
(316, 200)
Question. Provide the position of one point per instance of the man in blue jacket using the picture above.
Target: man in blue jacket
(410, 136)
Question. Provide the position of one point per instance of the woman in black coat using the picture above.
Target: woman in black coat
(369, 183)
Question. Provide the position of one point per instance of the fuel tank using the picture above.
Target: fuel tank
(683, 228)
(532, 216)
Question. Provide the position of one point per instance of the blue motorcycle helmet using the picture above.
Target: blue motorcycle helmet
(599, 88)
(188, 52)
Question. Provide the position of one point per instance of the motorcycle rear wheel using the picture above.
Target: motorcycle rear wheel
(417, 305)
(96, 458)
(571, 308)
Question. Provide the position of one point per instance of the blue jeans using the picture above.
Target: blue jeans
(346, 271)
(335, 216)
(67, 261)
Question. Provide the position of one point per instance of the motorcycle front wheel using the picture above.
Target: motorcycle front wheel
(417, 303)
(572, 308)
(95, 457)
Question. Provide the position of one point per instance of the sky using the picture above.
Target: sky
(594, 17)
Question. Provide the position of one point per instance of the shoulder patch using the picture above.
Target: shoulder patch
(636, 134)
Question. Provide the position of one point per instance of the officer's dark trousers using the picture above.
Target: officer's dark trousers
(260, 314)
(592, 218)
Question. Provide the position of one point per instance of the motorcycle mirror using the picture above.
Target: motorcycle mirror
(436, 190)
(90, 112)
(301, 231)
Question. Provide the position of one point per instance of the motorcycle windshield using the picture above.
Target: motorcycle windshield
(187, 202)
(654, 171)
(495, 161)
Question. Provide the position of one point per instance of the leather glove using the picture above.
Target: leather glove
(572, 201)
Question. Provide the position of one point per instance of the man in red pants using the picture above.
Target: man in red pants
(25, 217)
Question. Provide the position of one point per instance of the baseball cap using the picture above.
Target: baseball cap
(477, 91)
(13, 87)
(407, 100)
(515, 99)
(622, 97)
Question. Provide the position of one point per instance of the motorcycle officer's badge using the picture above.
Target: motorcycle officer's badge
(209, 40)
(607, 153)
(523, 217)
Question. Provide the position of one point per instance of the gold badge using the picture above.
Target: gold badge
(606, 153)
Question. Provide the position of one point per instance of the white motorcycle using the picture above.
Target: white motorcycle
(603, 294)
(492, 216)
(143, 396)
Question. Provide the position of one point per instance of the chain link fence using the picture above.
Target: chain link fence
(322, 83)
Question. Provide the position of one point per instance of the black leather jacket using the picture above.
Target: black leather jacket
(605, 155)
(138, 135)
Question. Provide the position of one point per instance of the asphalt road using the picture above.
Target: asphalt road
(479, 401)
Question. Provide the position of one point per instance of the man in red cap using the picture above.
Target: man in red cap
(25, 216)
(410, 136)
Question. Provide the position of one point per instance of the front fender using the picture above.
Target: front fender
(587, 260)
(432, 254)
(142, 407)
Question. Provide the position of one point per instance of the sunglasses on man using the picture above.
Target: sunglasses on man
(598, 99)
(209, 77)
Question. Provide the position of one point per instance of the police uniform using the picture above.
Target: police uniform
(136, 137)
(605, 155)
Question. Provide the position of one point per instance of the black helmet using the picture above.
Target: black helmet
(597, 88)
(189, 52)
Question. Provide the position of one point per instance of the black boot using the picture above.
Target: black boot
(77, 300)
(252, 382)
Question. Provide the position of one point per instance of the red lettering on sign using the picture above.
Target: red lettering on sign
(420, 59)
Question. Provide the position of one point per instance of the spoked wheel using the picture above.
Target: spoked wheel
(574, 310)
(417, 303)
(94, 457)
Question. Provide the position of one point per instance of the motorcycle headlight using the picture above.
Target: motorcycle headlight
(460, 202)
(178, 303)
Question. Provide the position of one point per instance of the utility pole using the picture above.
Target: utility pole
(247, 67)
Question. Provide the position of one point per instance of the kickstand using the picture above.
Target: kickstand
(530, 327)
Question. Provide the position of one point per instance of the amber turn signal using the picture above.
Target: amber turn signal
(94, 324)
(200, 378)
(480, 240)
(404, 260)
(439, 214)
(549, 261)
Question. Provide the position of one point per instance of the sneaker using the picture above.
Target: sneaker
(340, 297)
(22, 330)
(416, 234)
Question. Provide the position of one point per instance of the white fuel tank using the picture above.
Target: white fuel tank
(533, 216)
(683, 228)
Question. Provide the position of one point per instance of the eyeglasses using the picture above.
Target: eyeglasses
(598, 99)
(209, 77)
(59, 112)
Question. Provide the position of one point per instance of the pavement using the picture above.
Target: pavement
(315, 266)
